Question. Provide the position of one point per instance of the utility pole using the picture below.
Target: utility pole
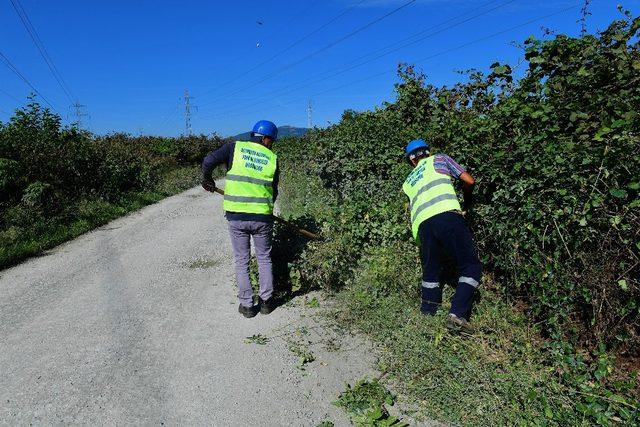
(78, 111)
(188, 109)
(309, 115)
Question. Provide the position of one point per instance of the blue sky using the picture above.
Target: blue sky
(130, 62)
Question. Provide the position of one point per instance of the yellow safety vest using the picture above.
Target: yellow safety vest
(429, 192)
(249, 182)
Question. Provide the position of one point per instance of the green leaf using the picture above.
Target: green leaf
(548, 412)
(617, 192)
(599, 135)
(623, 284)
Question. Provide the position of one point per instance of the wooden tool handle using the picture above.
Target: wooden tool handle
(300, 231)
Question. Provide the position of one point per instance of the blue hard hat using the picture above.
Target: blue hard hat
(265, 128)
(415, 145)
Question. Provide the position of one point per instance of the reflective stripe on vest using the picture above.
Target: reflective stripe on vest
(249, 182)
(429, 192)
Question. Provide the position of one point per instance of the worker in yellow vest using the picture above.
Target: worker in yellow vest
(437, 223)
(251, 189)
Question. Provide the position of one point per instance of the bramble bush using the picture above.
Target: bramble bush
(556, 155)
(51, 176)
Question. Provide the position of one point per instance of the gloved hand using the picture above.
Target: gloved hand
(209, 185)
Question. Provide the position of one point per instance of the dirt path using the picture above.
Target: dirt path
(137, 323)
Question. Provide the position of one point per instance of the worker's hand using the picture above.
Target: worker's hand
(209, 185)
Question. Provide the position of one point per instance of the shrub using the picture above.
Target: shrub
(555, 155)
(36, 195)
(56, 182)
(10, 177)
(34, 147)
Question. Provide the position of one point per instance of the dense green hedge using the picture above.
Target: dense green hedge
(52, 176)
(556, 155)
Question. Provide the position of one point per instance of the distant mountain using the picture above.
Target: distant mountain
(282, 132)
(291, 131)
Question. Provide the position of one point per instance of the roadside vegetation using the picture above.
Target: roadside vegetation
(555, 150)
(58, 182)
(366, 404)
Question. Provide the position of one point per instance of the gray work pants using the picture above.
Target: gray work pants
(241, 232)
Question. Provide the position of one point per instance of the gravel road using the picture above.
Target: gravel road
(137, 323)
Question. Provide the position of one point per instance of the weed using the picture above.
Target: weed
(555, 219)
(36, 233)
(332, 345)
(204, 263)
(258, 339)
(304, 354)
(501, 372)
(312, 303)
(365, 404)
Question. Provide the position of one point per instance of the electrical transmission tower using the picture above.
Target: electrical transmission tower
(309, 115)
(78, 111)
(188, 110)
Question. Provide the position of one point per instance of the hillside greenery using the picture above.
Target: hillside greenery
(556, 154)
(57, 182)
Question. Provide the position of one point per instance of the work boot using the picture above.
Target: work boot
(267, 306)
(247, 312)
(459, 325)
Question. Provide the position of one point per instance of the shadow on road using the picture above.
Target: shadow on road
(288, 247)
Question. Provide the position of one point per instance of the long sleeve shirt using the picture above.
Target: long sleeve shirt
(224, 156)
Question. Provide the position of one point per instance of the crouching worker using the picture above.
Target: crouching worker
(250, 191)
(439, 227)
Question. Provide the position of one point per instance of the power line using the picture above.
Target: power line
(17, 72)
(37, 41)
(173, 118)
(10, 96)
(168, 116)
(270, 36)
(324, 48)
(288, 48)
(462, 46)
(171, 114)
(394, 47)
(443, 52)
(389, 49)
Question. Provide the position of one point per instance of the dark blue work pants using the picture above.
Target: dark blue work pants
(441, 235)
